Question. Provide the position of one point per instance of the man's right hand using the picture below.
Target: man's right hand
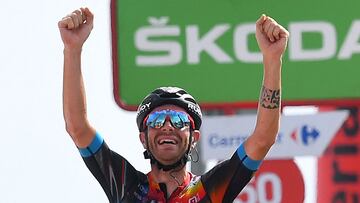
(75, 28)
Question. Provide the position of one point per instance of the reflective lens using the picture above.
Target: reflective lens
(178, 119)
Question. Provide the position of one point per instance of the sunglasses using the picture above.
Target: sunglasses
(178, 119)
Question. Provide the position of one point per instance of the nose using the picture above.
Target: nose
(167, 125)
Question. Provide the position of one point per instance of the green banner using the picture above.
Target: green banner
(208, 47)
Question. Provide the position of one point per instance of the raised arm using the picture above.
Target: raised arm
(75, 29)
(272, 40)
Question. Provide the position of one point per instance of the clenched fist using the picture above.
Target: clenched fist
(272, 38)
(75, 28)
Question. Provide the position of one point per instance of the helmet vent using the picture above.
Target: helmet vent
(169, 95)
(191, 100)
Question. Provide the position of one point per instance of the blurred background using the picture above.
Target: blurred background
(316, 162)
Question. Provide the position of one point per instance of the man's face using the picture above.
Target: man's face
(168, 143)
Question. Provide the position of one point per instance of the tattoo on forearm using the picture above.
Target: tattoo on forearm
(270, 99)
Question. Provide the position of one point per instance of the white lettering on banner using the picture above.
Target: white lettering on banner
(159, 43)
(158, 29)
(275, 182)
(241, 44)
(207, 43)
(328, 49)
(351, 45)
(259, 193)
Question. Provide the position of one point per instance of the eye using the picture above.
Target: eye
(158, 124)
(160, 120)
(179, 124)
(177, 121)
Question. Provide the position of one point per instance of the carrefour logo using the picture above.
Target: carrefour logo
(232, 141)
(305, 135)
(216, 140)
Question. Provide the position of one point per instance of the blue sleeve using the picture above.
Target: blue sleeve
(246, 160)
(224, 182)
(115, 174)
(93, 147)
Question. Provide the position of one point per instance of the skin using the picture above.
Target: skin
(272, 40)
(169, 153)
(76, 27)
(74, 100)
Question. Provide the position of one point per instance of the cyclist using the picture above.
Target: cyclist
(169, 120)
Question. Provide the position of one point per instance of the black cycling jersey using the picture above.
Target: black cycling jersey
(123, 183)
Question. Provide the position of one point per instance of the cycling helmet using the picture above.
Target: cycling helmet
(168, 95)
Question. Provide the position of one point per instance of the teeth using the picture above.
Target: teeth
(167, 141)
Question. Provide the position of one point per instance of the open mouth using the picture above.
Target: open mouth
(167, 141)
